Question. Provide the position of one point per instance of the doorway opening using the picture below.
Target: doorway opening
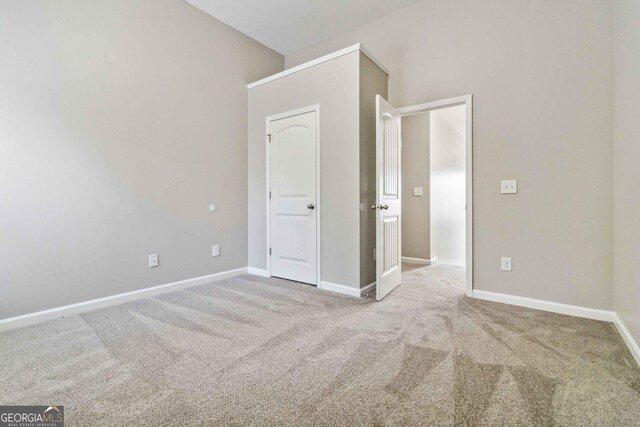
(437, 239)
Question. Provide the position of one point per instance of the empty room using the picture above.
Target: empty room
(320, 212)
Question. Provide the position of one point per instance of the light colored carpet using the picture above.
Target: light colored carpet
(253, 351)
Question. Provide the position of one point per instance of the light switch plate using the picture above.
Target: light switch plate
(505, 264)
(417, 191)
(508, 186)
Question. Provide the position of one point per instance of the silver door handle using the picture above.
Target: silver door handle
(385, 207)
(374, 207)
(311, 206)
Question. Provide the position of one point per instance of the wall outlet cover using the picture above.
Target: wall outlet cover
(509, 186)
(417, 191)
(215, 250)
(505, 263)
(154, 261)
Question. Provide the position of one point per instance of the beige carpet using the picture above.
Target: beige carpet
(252, 351)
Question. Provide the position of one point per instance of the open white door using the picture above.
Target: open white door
(388, 202)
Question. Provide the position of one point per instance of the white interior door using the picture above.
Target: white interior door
(293, 213)
(388, 202)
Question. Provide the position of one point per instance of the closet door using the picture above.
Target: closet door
(293, 198)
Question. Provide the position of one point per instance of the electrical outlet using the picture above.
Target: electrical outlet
(509, 186)
(215, 250)
(154, 261)
(506, 264)
(417, 191)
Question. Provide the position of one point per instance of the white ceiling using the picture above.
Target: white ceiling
(290, 25)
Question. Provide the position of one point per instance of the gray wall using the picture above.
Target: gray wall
(121, 121)
(541, 73)
(415, 173)
(373, 81)
(334, 86)
(627, 164)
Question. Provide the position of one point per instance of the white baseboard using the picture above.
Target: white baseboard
(258, 272)
(81, 307)
(554, 307)
(628, 339)
(571, 310)
(368, 289)
(416, 261)
(341, 289)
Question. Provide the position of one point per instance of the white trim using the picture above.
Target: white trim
(435, 105)
(373, 58)
(258, 272)
(466, 100)
(418, 261)
(81, 307)
(469, 190)
(628, 339)
(554, 307)
(354, 48)
(570, 310)
(316, 109)
(371, 287)
(341, 289)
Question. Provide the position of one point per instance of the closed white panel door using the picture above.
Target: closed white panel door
(292, 179)
(388, 205)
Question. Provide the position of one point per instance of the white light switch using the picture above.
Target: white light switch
(215, 250)
(506, 264)
(508, 186)
(417, 191)
(153, 260)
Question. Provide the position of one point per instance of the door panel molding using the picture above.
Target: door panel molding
(388, 198)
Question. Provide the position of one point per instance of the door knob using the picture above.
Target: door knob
(385, 207)
(311, 206)
(374, 207)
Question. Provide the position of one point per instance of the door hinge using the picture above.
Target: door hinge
(269, 251)
(269, 194)
(268, 137)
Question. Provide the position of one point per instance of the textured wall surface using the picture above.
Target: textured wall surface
(541, 75)
(416, 211)
(627, 165)
(333, 85)
(448, 186)
(120, 122)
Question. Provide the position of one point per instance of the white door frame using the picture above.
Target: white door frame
(467, 101)
(312, 108)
